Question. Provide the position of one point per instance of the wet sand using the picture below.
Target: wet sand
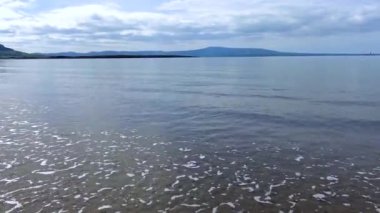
(44, 170)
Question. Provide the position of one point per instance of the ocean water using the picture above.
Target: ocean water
(286, 134)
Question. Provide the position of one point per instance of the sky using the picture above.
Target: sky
(334, 26)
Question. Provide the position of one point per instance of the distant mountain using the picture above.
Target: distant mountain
(229, 52)
(6, 53)
(205, 52)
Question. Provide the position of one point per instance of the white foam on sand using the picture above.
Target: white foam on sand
(258, 199)
(211, 189)
(319, 196)
(249, 189)
(43, 163)
(82, 176)
(228, 204)
(274, 186)
(175, 183)
(104, 189)
(191, 205)
(15, 203)
(104, 207)
(46, 173)
(193, 178)
(174, 197)
(299, 158)
(191, 165)
(60, 170)
(215, 209)
(130, 174)
(8, 181)
(332, 178)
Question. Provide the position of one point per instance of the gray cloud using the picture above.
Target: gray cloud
(189, 20)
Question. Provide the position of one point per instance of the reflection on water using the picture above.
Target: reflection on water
(190, 135)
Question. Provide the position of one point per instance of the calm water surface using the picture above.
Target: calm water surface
(298, 134)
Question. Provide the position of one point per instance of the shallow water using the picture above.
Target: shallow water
(190, 135)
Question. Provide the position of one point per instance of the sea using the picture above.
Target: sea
(259, 134)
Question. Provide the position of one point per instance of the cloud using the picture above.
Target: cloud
(286, 16)
(9, 9)
(187, 20)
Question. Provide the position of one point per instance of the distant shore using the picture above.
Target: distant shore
(117, 56)
(208, 52)
(180, 56)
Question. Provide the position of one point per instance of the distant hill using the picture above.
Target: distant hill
(6, 53)
(229, 52)
(204, 52)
